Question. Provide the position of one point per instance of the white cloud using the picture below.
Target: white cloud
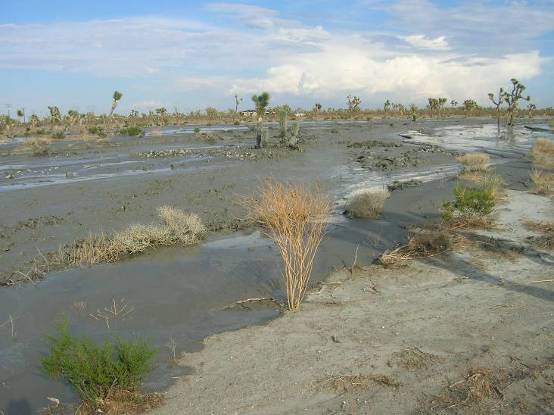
(420, 41)
(287, 57)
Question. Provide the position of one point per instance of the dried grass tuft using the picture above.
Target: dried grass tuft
(421, 243)
(546, 231)
(542, 152)
(367, 203)
(543, 183)
(351, 383)
(474, 162)
(179, 228)
(294, 218)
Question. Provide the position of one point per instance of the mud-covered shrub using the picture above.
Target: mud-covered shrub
(366, 203)
(132, 131)
(543, 183)
(469, 203)
(95, 370)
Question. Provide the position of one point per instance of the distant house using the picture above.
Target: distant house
(248, 113)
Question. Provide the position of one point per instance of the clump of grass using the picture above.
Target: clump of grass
(178, 228)
(98, 372)
(421, 243)
(543, 183)
(36, 146)
(132, 131)
(471, 207)
(542, 152)
(294, 218)
(99, 131)
(546, 231)
(58, 135)
(367, 203)
(474, 162)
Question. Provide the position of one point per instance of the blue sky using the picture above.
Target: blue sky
(190, 54)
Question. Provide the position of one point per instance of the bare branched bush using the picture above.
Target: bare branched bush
(474, 162)
(178, 228)
(542, 152)
(294, 218)
(367, 203)
(543, 183)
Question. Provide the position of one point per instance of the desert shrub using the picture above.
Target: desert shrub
(131, 131)
(421, 243)
(236, 123)
(474, 161)
(178, 228)
(36, 146)
(58, 135)
(546, 231)
(99, 131)
(470, 207)
(95, 370)
(294, 218)
(543, 183)
(367, 203)
(196, 130)
(542, 152)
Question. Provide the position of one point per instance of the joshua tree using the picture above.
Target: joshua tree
(34, 120)
(353, 103)
(453, 103)
(413, 112)
(161, 114)
(436, 104)
(261, 102)
(21, 114)
(317, 108)
(211, 112)
(530, 109)
(497, 103)
(470, 105)
(115, 99)
(73, 116)
(237, 102)
(283, 114)
(55, 115)
(511, 98)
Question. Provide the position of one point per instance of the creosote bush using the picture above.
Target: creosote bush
(132, 131)
(474, 162)
(367, 203)
(97, 371)
(178, 228)
(294, 218)
(471, 206)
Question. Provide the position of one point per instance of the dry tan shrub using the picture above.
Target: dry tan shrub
(178, 228)
(542, 152)
(474, 161)
(188, 227)
(36, 146)
(543, 183)
(294, 218)
(367, 203)
(546, 229)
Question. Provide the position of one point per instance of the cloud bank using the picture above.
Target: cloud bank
(260, 50)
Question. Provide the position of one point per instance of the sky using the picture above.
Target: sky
(188, 55)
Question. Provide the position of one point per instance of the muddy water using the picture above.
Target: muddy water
(179, 296)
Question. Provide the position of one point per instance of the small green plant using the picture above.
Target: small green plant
(58, 135)
(196, 130)
(99, 131)
(96, 370)
(469, 202)
(132, 132)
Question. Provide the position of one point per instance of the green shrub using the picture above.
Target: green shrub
(95, 370)
(236, 123)
(99, 131)
(196, 130)
(131, 131)
(476, 201)
(58, 135)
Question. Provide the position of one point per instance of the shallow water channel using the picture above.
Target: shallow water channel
(175, 297)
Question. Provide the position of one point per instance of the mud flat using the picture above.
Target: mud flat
(469, 332)
(178, 296)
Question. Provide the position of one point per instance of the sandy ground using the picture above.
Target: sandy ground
(468, 332)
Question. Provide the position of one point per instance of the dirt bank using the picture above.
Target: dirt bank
(468, 332)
